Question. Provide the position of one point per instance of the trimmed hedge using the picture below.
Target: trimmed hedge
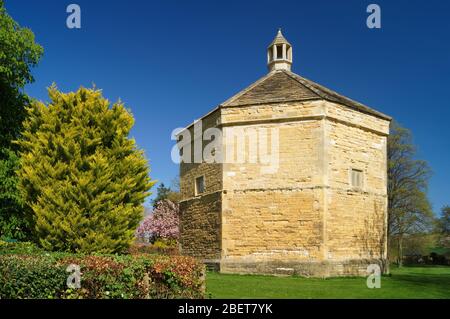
(28, 272)
(158, 247)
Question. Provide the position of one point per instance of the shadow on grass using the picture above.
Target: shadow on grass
(423, 277)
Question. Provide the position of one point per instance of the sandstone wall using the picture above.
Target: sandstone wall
(355, 217)
(306, 218)
(289, 111)
(302, 216)
(274, 215)
(200, 227)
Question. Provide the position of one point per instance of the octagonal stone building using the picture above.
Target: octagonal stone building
(319, 208)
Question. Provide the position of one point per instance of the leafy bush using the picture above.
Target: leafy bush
(22, 248)
(27, 272)
(84, 180)
(162, 223)
(164, 247)
(25, 276)
(165, 243)
(13, 221)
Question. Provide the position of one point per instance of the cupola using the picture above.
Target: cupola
(279, 53)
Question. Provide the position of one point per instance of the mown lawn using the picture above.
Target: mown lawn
(406, 282)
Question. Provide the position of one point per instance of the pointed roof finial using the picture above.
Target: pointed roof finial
(279, 39)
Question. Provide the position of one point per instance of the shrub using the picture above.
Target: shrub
(162, 223)
(22, 248)
(25, 276)
(83, 179)
(13, 221)
(43, 275)
(158, 247)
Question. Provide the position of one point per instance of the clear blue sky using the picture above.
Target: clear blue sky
(173, 61)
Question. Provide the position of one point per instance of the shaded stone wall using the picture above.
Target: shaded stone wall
(201, 227)
(190, 171)
(200, 222)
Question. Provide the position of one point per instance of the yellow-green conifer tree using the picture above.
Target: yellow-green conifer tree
(83, 178)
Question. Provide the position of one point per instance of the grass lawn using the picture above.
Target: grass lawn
(406, 282)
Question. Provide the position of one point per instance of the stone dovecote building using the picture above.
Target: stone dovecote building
(322, 211)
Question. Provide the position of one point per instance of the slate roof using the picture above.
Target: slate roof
(279, 39)
(285, 86)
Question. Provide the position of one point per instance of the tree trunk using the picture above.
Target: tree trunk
(400, 251)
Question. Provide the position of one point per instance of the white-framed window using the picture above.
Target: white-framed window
(199, 185)
(356, 178)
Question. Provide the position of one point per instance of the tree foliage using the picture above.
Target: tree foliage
(409, 209)
(13, 222)
(171, 193)
(162, 193)
(163, 223)
(444, 221)
(18, 54)
(83, 179)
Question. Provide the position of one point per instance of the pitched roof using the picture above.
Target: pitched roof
(285, 86)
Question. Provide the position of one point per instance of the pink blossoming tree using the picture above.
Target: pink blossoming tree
(162, 223)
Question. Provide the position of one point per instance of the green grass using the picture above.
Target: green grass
(406, 282)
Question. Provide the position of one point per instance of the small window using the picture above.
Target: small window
(199, 185)
(279, 51)
(357, 178)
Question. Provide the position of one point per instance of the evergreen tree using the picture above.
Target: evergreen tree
(83, 179)
(167, 193)
(18, 54)
(162, 192)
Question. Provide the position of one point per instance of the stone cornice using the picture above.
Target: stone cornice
(301, 119)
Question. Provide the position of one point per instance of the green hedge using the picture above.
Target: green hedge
(28, 272)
